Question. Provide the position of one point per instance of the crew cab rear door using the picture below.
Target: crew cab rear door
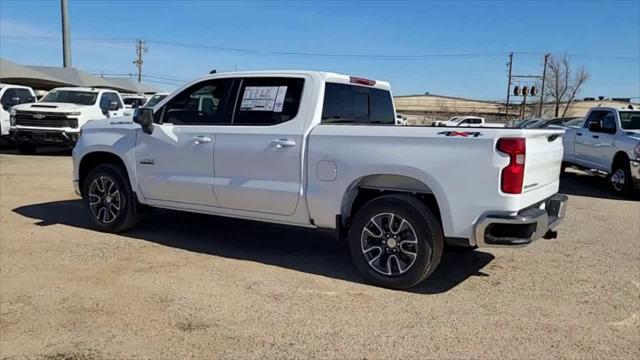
(175, 162)
(258, 159)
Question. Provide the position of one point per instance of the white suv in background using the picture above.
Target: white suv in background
(10, 96)
(58, 117)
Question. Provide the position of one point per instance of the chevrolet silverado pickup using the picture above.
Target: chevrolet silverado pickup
(608, 142)
(57, 118)
(321, 150)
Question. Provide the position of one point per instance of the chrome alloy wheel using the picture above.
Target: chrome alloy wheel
(104, 200)
(389, 244)
(618, 180)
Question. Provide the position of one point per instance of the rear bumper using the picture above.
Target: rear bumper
(495, 229)
(44, 137)
(634, 167)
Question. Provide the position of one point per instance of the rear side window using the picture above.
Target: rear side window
(268, 101)
(356, 104)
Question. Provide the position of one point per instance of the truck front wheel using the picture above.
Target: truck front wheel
(395, 241)
(108, 199)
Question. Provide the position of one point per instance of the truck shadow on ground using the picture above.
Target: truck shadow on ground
(580, 183)
(307, 250)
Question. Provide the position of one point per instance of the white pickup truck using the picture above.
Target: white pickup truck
(58, 117)
(10, 96)
(466, 121)
(609, 142)
(321, 150)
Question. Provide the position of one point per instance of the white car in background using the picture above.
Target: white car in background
(58, 117)
(133, 102)
(10, 96)
(467, 121)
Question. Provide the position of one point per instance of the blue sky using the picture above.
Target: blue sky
(604, 36)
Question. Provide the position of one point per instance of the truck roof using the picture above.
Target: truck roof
(614, 108)
(78, 88)
(324, 75)
(3, 85)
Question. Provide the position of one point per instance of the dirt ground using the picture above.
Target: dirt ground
(187, 286)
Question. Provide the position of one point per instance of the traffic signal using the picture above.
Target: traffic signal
(516, 90)
(533, 91)
(525, 91)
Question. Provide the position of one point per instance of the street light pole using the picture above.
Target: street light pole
(544, 77)
(66, 35)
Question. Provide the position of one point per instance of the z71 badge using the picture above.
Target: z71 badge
(461, 133)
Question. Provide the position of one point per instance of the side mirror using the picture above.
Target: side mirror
(595, 127)
(31, 99)
(144, 117)
(113, 106)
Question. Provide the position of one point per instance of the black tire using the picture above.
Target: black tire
(423, 224)
(127, 215)
(27, 149)
(620, 179)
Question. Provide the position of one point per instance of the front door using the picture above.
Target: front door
(585, 142)
(175, 162)
(258, 160)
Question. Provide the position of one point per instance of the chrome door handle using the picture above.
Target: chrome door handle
(281, 143)
(201, 139)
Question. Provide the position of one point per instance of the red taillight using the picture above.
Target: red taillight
(513, 174)
(361, 81)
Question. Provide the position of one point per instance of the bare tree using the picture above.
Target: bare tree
(563, 83)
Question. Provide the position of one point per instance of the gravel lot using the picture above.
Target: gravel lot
(191, 286)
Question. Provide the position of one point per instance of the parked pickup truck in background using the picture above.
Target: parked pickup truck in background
(10, 96)
(58, 117)
(322, 150)
(609, 142)
(467, 121)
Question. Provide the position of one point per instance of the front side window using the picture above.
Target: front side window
(268, 101)
(200, 104)
(594, 118)
(115, 98)
(345, 103)
(630, 120)
(71, 97)
(154, 100)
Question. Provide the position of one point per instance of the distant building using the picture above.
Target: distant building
(424, 109)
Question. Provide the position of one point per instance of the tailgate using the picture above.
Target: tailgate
(543, 158)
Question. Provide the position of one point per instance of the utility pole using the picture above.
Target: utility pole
(141, 48)
(509, 83)
(544, 77)
(66, 35)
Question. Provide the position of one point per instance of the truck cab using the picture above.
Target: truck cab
(608, 142)
(10, 96)
(57, 119)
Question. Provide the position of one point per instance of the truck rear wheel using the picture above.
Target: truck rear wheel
(395, 241)
(621, 181)
(108, 199)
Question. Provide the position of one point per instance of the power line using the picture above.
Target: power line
(247, 51)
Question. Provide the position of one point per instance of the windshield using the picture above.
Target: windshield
(154, 100)
(630, 120)
(71, 97)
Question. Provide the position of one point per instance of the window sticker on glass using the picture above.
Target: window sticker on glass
(263, 98)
